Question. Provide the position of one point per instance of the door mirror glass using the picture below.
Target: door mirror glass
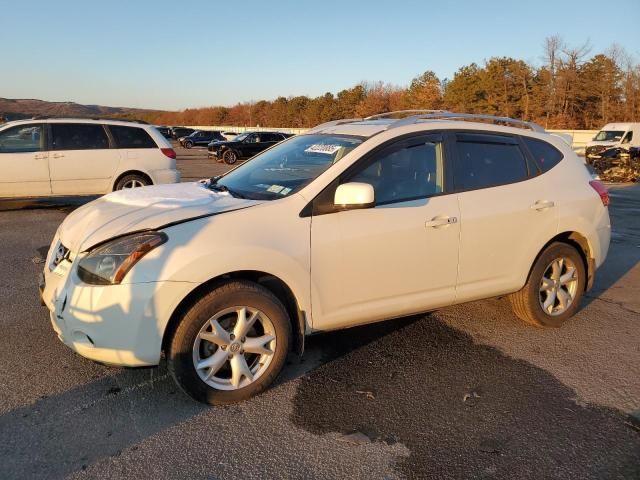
(354, 195)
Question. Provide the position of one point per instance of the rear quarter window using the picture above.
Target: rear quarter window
(546, 155)
(131, 137)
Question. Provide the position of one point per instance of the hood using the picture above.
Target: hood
(607, 143)
(143, 208)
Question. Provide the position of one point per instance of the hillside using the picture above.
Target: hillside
(13, 109)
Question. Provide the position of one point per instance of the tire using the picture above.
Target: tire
(188, 348)
(132, 180)
(230, 157)
(529, 303)
(188, 144)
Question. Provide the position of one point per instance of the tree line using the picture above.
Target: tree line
(570, 88)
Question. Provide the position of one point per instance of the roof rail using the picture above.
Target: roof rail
(467, 116)
(76, 117)
(322, 126)
(388, 114)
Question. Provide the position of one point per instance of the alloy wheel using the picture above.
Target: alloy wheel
(558, 286)
(133, 183)
(234, 348)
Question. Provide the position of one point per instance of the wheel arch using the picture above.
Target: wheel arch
(581, 244)
(273, 283)
(130, 172)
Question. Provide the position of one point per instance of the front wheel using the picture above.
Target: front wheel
(230, 157)
(231, 344)
(188, 144)
(554, 289)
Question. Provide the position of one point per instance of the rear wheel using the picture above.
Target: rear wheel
(133, 180)
(230, 157)
(188, 144)
(554, 289)
(231, 344)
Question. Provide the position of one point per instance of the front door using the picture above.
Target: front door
(24, 167)
(81, 161)
(398, 258)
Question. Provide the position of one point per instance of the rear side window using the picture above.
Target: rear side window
(78, 136)
(545, 155)
(487, 161)
(131, 137)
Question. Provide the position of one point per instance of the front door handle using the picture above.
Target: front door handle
(440, 221)
(542, 205)
(41, 156)
(58, 155)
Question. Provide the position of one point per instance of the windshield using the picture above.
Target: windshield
(240, 137)
(288, 166)
(609, 136)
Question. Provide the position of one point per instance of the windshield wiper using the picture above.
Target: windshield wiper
(218, 187)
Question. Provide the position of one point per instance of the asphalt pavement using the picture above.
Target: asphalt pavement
(465, 392)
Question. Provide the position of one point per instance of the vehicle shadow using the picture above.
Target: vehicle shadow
(63, 203)
(463, 410)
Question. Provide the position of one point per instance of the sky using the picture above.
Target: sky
(174, 55)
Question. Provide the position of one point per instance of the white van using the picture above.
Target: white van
(48, 157)
(613, 135)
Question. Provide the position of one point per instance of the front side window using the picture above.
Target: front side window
(628, 137)
(131, 137)
(406, 172)
(78, 136)
(483, 162)
(287, 167)
(547, 156)
(21, 139)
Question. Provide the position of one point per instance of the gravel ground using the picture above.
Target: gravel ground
(466, 392)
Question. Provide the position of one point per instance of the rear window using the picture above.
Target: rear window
(131, 137)
(78, 136)
(487, 161)
(546, 156)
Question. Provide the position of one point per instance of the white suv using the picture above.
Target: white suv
(45, 157)
(354, 222)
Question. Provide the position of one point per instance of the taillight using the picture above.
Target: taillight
(169, 152)
(599, 187)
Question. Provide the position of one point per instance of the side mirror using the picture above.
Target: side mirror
(354, 195)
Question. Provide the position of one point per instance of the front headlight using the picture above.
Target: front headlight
(109, 263)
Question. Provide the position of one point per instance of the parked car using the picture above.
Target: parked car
(177, 132)
(164, 131)
(245, 145)
(613, 136)
(354, 222)
(67, 156)
(200, 138)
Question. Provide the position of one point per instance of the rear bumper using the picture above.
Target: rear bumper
(165, 176)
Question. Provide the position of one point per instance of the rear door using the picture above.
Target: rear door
(24, 167)
(81, 159)
(508, 212)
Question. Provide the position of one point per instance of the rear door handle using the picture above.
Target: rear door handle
(58, 155)
(542, 205)
(40, 156)
(440, 221)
